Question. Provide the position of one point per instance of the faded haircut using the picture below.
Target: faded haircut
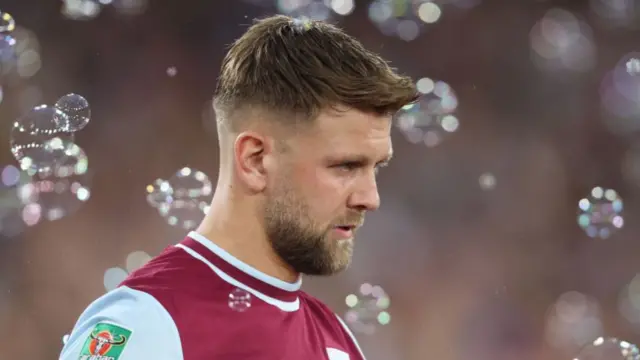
(296, 68)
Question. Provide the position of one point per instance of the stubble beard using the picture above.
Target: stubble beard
(299, 241)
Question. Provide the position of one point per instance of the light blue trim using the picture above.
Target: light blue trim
(244, 267)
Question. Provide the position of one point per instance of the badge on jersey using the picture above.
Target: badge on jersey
(105, 342)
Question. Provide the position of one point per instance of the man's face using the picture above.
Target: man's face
(325, 183)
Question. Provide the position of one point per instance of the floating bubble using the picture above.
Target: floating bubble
(487, 181)
(404, 19)
(172, 71)
(310, 9)
(59, 150)
(573, 321)
(185, 213)
(10, 175)
(77, 110)
(31, 214)
(342, 7)
(30, 133)
(623, 74)
(620, 95)
(159, 192)
(239, 300)
(608, 349)
(561, 41)
(367, 309)
(12, 211)
(188, 194)
(600, 213)
(616, 13)
(633, 66)
(81, 9)
(8, 54)
(7, 23)
(60, 189)
(28, 63)
(190, 183)
(431, 117)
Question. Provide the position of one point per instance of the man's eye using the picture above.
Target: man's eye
(349, 166)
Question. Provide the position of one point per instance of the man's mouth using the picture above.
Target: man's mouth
(345, 231)
(346, 227)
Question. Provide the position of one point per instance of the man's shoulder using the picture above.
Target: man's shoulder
(173, 271)
(334, 323)
(125, 300)
(123, 317)
(315, 303)
(185, 286)
(321, 311)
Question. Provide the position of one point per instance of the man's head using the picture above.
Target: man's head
(304, 121)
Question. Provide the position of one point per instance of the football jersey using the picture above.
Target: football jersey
(195, 301)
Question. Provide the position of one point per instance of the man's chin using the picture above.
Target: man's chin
(342, 263)
(337, 266)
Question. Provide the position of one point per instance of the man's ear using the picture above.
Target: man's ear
(250, 149)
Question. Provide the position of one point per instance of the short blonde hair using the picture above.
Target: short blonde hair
(297, 67)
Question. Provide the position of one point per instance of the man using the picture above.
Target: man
(304, 120)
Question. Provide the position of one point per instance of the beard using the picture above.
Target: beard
(301, 242)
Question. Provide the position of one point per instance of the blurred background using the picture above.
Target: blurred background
(507, 228)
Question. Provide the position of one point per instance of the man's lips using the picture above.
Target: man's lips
(345, 231)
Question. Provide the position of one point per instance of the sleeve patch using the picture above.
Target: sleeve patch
(105, 342)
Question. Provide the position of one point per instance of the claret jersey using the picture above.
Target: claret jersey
(195, 301)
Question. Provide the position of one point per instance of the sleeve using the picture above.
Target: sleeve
(124, 324)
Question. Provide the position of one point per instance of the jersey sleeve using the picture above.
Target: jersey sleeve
(124, 324)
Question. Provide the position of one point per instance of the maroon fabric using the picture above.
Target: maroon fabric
(198, 301)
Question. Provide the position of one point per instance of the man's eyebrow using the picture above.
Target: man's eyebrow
(362, 159)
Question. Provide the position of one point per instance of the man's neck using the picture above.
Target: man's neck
(242, 236)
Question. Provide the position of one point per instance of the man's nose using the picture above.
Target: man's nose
(366, 197)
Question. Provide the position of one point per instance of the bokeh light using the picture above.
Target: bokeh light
(619, 95)
(31, 132)
(183, 199)
(562, 42)
(600, 213)
(573, 321)
(113, 276)
(367, 309)
(7, 23)
(77, 111)
(101, 97)
(609, 349)
(432, 117)
(404, 19)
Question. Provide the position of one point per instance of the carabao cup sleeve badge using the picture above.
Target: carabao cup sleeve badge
(105, 342)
